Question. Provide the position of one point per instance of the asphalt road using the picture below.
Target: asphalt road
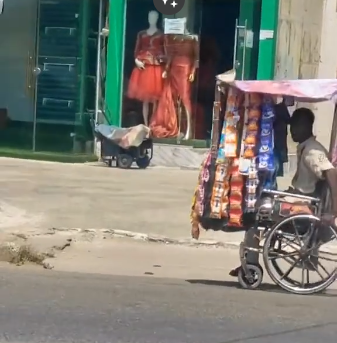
(47, 306)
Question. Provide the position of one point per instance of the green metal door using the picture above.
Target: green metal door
(247, 40)
(65, 87)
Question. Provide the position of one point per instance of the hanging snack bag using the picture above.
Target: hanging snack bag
(232, 118)
(252, 184)
(266, 148)
(219, 199)
(236, 184)
(250, 133)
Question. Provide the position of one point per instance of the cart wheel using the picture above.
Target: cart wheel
(143, 162)
(253, 280)
(124, 161)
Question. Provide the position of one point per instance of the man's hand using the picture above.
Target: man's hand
(329, 219)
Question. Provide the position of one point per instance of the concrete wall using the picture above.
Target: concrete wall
(327, 68)
(307, 48)
(299, 39)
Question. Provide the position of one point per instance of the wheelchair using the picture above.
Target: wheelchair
(289, 237)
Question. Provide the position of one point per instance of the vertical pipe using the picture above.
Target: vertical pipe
(84, 54)
(244, 51)
(98, 62)
(37, 39)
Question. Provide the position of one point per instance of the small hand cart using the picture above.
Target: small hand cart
(112, 149)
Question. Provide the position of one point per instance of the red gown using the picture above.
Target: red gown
(147, 85)
(182, 53)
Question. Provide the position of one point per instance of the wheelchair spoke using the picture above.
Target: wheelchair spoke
(284, 256)
(308, 279)
(317, 271)
(289, 244)
(286, 274)
(297, 234)
(324, 258)
(303, 273)
(321, 265)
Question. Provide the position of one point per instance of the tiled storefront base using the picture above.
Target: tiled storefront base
(165, 155)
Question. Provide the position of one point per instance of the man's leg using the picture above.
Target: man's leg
(251, 240)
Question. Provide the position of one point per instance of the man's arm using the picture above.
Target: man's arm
(317, 161)
(331, 177)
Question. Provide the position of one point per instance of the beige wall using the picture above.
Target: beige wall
(327, 67)
(307, 48)
(299, 39)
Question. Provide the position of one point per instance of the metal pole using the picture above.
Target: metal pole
(235, 44)
(98, 63)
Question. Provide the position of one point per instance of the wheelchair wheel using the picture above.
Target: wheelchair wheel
(302, 263)
(253, 279)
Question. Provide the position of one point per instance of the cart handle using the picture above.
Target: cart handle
(285, 194)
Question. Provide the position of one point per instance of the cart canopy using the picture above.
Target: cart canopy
(310, 90)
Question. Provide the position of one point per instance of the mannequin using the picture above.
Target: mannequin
(146, 82)
(182, 53)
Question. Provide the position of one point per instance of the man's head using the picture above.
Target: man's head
(301, 124)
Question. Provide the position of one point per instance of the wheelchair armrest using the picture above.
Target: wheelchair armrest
(285, 194)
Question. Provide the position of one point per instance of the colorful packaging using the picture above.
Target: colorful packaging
(266, 147)
(236, 184)
(250, 134)
(252, 184)
(232, 119)
(219, 199)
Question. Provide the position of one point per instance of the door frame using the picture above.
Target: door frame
(247, 39)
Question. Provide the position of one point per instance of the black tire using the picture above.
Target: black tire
(124, 161)
(256, 279)
(143, 162)
(287, 283)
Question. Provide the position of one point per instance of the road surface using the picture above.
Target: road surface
(49, 306)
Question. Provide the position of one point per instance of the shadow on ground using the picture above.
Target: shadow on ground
(264, 287)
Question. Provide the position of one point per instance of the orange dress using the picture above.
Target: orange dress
(182, 60)
(147, 84)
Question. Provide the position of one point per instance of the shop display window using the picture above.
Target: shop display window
(170, 64)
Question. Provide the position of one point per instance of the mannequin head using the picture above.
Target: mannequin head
(153, 18)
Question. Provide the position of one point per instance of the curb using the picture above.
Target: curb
(146, 237)
(139, 236)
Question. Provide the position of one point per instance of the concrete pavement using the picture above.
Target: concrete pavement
(70, 307)
(133, 258)
(37, 196)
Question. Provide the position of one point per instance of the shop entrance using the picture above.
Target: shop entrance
(17, 81)
(229, 38)
(48, 61)
(179, 105)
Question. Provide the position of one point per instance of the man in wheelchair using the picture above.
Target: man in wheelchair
(313, 167)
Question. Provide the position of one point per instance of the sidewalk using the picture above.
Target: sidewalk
(37, 196)
(129, 258)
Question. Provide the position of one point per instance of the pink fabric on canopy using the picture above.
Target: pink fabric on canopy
(303, 90)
